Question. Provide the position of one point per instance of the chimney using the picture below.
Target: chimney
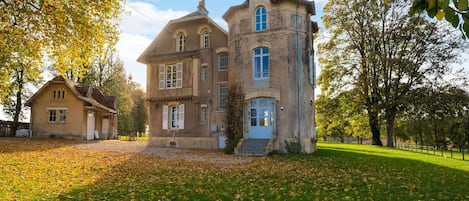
(201, 8)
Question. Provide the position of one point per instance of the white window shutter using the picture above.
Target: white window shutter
(181, 116)
(165, 117)
(161, 76)
(179, 72)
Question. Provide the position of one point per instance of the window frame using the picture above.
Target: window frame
(203, 114)
(52, 115)
(62, 116)
(222, 98)
(58, 94)
(173, 117)
(223, 61)
(180, 42)
(170, 82)
(57, 115)
(205, 39)
(261, 63)
(204, 73)
(260, 19)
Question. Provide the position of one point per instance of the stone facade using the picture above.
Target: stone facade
(268, 50)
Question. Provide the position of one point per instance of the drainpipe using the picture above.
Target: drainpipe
(298, 45)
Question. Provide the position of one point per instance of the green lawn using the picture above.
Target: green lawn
(53, 169)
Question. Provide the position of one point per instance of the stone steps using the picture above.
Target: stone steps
(253, 147)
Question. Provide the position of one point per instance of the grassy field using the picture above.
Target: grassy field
(56, 170)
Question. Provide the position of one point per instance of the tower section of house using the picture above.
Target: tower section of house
(270, 54)
(187, 82)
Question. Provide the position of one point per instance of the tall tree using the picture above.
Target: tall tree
(107, 73)
(383, 53)
(63, 34)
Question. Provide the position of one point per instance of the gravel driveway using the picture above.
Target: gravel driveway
(214, 156)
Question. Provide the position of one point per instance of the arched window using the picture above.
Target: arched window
(261, 19)
(180, 42)
(261, 63)
(205, 39)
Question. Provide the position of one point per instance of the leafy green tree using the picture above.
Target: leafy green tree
(107, 73)
(455, 12)
(382, 53)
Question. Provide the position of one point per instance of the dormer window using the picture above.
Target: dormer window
(180, 42)
(261, 19)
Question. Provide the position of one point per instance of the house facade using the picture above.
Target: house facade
(268, 51)
(66, 109)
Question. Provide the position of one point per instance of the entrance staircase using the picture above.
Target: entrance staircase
(252, 147)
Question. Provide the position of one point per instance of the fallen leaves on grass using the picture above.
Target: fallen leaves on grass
(54, 169)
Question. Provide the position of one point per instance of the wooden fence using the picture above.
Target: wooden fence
(5, 128)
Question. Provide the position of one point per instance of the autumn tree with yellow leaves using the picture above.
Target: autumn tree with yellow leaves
(61, 34)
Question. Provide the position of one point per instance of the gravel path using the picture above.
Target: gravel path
(214, 156)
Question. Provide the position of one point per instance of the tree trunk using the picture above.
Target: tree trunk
(374, 126)
(390, 129)
(16, 117)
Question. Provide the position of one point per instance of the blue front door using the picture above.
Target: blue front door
(261, 118)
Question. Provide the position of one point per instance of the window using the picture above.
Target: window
(173, 117)
(54, 112)
(261, 19)
(222, 95)
(203, 114)
(261, 63)
(261, 112)
(58, 94)
(62, 115)
(205, 39)
(204, 73)
(223, 61)
(170, 76)
(180, 42)
(52, 115)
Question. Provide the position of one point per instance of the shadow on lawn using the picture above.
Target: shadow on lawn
(329, 174)
(11, 144)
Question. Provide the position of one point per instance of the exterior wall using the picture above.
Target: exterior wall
(75, 125)
(282, 85)
(72, 128)
(184, 142)
(294, 100)
(194, 93)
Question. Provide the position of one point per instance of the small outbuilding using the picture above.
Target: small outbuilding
(66, 109)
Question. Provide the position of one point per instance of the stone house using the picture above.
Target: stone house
(66, 109)
(268, 50)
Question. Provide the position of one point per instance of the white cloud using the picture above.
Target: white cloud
(146, 19)
(139, 26)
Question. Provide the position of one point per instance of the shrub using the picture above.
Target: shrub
(234, 117)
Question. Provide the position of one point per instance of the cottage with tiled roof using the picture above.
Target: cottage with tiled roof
(63, 108)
